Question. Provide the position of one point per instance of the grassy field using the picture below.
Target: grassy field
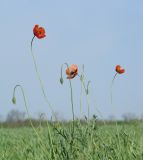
(88, 141)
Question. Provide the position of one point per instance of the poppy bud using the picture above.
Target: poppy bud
(14, 100)
(61, 80)
(82, 77)
(87, 87)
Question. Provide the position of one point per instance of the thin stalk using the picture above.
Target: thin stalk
(26, 107)
(73, 117)
(72, 100)
(71, 93)
(51, 140)
(113, 108)
(88, 106)
(40, 80)
(112, 86)
(81, 113)
(49, 135)
(96, 109)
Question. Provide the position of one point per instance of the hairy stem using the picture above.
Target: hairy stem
(71, 93)
(26, 107)
(111, 94)
(39, 78)
(86, 93)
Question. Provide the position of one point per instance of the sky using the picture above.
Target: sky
(98, 34)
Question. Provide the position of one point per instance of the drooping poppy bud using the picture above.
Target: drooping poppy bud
(14, 100)
(61, 80)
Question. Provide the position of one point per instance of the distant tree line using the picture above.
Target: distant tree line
(16, 118)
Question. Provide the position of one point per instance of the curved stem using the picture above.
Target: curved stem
(96, 108)
(50, 137)
(26, 107)
(39, 78)
(32, 42)
(71, 91)
(25, 103)
(86, 93)
(23, 98)
(113, 107)
(114, 78)
(112, 86)
(81, 113)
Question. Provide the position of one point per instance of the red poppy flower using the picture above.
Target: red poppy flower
(39, 32)
(72, 71)
(119, 69)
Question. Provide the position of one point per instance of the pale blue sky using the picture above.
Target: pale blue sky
(98, 34)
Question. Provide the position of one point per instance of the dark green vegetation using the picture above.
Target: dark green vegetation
(89, 141)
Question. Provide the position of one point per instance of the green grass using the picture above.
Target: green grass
(90, 141)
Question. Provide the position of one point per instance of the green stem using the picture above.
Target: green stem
(96, 109)
(111, 94)
(113, 107)
(72, 99)
(50, 138)
(81, 113)
(39, 78)
(86, 90)
(73, 116)
(26, 107)
(70, 89)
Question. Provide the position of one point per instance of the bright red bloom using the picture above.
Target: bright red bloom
(119, 69)
(72, 71)
(39, 32)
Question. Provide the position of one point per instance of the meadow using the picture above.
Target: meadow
(76, 139)
(56, 141)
